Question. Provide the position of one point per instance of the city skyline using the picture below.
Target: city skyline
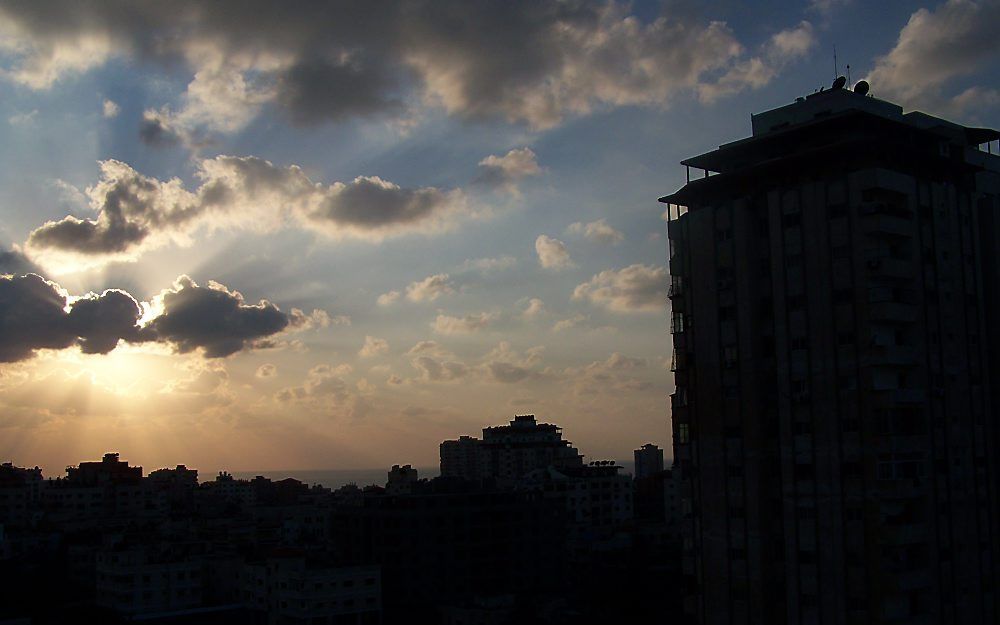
(466, 235)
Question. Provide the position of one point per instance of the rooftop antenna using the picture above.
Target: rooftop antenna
(848, 73)
(836, 68)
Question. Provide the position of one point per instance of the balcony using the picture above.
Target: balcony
(887, 267)
(893, 311)
(678, 399)
(887, 225)
(897, 355)
(678, 362)
(676, 288)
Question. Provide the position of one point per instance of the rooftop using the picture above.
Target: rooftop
(838, 121)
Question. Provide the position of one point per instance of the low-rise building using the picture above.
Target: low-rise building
(286, 588)
(136, 580)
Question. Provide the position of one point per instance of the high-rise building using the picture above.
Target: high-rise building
(648, 460)
(837, 365)
(507, 452)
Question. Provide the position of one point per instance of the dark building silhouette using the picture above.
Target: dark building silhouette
(837, 363)
(508, 452)
(648, 460)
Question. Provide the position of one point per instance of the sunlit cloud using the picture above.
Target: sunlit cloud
(552, 253)
(636, 288)
(597, 231)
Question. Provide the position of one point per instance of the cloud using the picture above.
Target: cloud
(535, 63)
(14, 262)
(598, 231)
(158, 130)
(935, 47)
(316, 319)
(502, 364)
(826, 7)
(136, 213)
(552, 253)
(635, 288)
(387, 299)
(213, 319)
(505, 172)
(434, 370)
(325, 388)
(535, 308)
(266, 370)
(36, 313)
(617, 373)
(424, 346)
(373, 346)
(755, 72)
(430, 288)
(487, 265)
(468, 324)
(23, 119)
(110, 109)
(505, 365)
(566, 324)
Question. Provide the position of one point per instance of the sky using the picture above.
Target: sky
(301, 235)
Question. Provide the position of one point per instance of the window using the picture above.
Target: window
(683, 433)
(677, 323)
(729, 356)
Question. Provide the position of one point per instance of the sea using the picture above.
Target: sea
(335, 478)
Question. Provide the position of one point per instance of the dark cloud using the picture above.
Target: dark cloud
(102, 236)
(315, 91)
(37, 314)
(370, 202)
(13, 262)
(131, 209)
(33, 316)
(100, 322)
(508, 373)
(213, 318)
(523, 60)
(154, 131)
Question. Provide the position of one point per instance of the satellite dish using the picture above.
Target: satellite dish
(839, 82)
(862, 87)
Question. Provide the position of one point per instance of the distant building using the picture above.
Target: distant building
(507, 452)
(401, 480)
(180, 476)
(648, 460)
(461, 458)
(103, 492)
(110, 470)
(20, 494)
(835, 290)
(597, 498)
(226, 487)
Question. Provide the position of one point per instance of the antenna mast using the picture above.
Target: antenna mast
(836, 68)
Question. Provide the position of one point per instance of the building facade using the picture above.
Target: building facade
(834, 281)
